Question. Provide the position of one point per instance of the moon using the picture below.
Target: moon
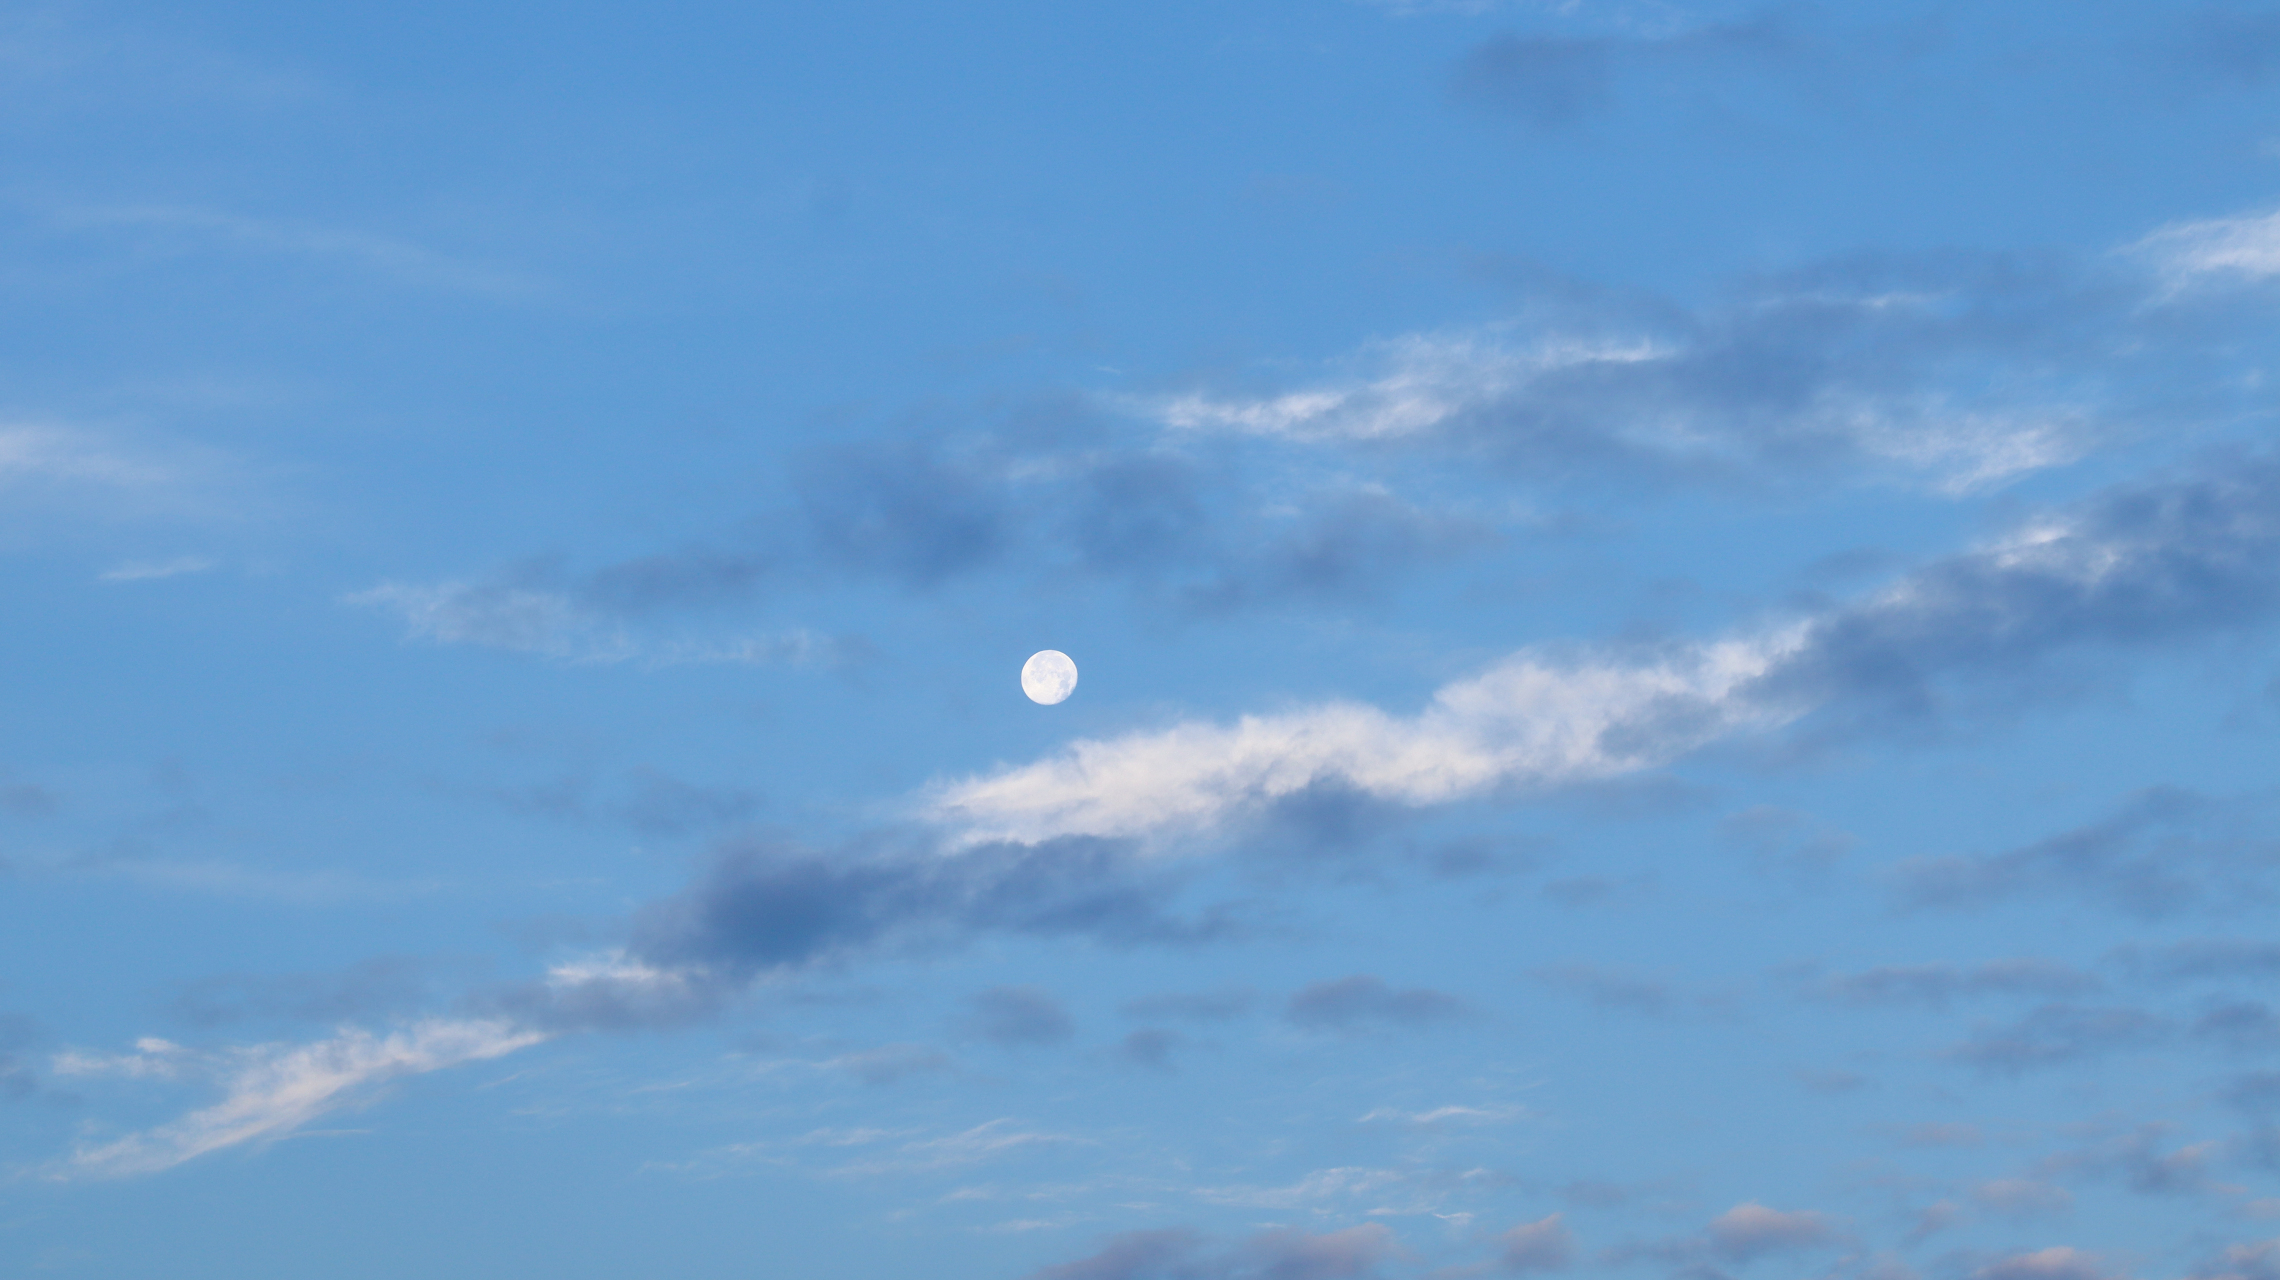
(1048, 677)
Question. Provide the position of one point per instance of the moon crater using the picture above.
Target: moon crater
(1048, 677)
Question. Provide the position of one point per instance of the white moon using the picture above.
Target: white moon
(1048, 677)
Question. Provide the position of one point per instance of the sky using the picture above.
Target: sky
(1675, 607)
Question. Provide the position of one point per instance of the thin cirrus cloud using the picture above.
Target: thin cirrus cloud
(2243, 248)
(1951, 372)
(271, 1090)
(2136, 565)
(178, 228)
(1052, 849)
(554, 624)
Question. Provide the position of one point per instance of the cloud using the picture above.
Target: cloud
(152, 570)
(2196, 959)
(2259, 1261)
(137, 477)
(2056, 1034)
(991, 1140)
(1542, 1245)
(2243, 47)
(1449, 1117)
(2138, 565)
(2162, 851)
(647, 801)
(2022, 1197)
(1279, 1254)
(1610, 988)
(2057, 1263)
(1150, 1047)
(1012, 1016)
(1202, 1006)
(17, 1079)
(546, 622)
(1950, 373)
(1363, 999)
(1534, 720)
(2244, 248)
(274, 1089)
(764, 910)
(1554, 82)
(1751, 1230)
(1936, 985)
(891, 1062)
(2136, 1158)
(1742, 1234)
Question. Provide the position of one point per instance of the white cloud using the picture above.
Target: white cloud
(1446, 1116)
(1433, 379)
(2242, 247)
(993, 1140)
(274, 1089)
(1530, 721)
(31, 452)
(1632, 396)
(150, 570)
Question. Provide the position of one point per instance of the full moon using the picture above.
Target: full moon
(1048, 677)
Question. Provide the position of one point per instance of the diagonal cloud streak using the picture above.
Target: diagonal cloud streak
(2135, 565)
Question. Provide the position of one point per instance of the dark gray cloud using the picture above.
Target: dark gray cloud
(1552, 82)
(1202, 1006)
(1014, 1016)
(1169, 527)
(1611, 988)
(764, 908)
(2243, 1026)
(2137, 566)
(1151, 1047)
(908, 509)
(2164, 850)
(656, 804)
(1365, 1000)
(1938, 984)
(17, 1079)
(28, 800)
(2199, 959)
(2057, 1034)
(2141, 1160)
(1280, 1254)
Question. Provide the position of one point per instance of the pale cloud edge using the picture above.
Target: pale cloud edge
(273, 1089)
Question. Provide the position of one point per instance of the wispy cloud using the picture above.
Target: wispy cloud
(54, 454)
(554, 624)
(151, 570)
(273, 1089)
(1534, 720)
(397, 260)
(2133, 566)
(1771, 387)
(2246, 247)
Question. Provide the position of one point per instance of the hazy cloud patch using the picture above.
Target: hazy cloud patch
(1365, 1000)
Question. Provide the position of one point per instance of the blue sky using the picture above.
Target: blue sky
(1675, 606)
